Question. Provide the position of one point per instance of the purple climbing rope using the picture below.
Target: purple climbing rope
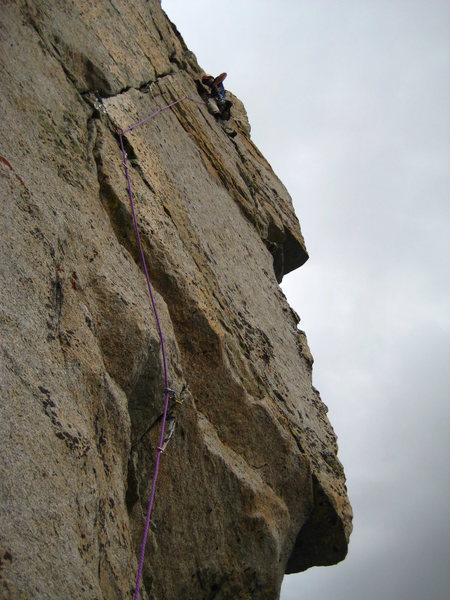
(161, 109)
(161, 337)
(166, 378)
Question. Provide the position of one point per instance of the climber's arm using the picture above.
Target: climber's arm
(219, 79)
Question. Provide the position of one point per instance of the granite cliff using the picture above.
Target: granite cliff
(250, 487)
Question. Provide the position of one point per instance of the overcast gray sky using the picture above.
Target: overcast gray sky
(348, 100)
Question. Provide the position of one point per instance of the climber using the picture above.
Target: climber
(217, 103)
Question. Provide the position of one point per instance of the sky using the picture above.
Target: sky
(349, 102)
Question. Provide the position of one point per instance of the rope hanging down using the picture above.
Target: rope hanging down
(161, 337)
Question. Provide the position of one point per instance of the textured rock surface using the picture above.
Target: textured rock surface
(251, 486)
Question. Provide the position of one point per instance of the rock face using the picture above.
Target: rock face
(250, 486)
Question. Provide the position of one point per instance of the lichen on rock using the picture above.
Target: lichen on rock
(250, 486)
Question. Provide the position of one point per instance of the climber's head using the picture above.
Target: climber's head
(207, 79)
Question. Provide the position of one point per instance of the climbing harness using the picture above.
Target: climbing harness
(168, 393)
